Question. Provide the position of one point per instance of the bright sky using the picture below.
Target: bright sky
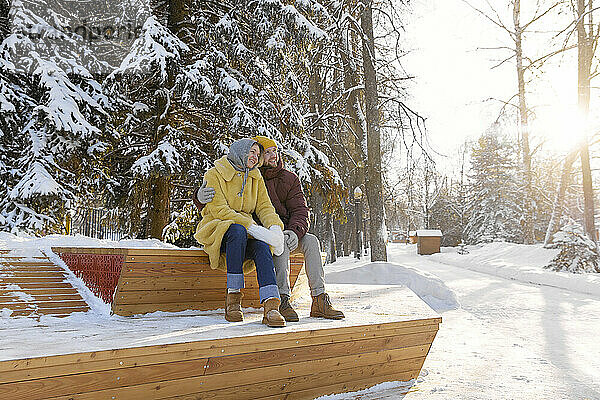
(454, 79)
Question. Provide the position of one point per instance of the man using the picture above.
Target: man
(288, 199)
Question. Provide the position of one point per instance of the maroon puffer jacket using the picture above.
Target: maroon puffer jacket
(287, 197)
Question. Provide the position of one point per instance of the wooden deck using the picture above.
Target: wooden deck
(291, 365)
(36, 286)
(138, 281)
(386, 336)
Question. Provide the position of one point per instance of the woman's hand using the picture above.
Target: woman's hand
(279, 246)
(269, 236)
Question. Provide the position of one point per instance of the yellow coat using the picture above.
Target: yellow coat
(228, 208)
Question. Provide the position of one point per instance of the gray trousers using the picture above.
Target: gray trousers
(311, 248)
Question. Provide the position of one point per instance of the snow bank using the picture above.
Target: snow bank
(523, 263)
(428, 287)
(22, 242)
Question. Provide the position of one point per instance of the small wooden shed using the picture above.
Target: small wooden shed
(428, 241)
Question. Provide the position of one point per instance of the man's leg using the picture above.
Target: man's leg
(321, 304)
(282, 271)
(311, 248)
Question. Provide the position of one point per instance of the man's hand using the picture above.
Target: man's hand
(291, 240)
(205, 194)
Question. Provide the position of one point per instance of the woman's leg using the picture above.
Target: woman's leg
(265, 272)
(260, 252)
(234, 244)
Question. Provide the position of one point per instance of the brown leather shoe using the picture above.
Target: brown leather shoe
(233, 307)
(322, 308)
(286, 310)
(272, 317)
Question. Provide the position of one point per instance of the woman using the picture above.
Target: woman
(226, 222)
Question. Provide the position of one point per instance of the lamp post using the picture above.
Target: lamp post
(358, 213)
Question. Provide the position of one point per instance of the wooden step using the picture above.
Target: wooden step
(40, 287)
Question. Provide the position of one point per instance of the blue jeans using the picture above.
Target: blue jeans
(238, 247)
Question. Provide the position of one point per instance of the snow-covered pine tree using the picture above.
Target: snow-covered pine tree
(493, 191)
(246, 78)
(445, 214)
(146, 155)
(578, 254)
(60, 113)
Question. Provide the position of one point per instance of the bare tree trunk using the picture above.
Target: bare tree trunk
(315, 95)
(373, 185)
(557, 209)
(584, 58)
(528, 232)
(330, 238)
(356, 122)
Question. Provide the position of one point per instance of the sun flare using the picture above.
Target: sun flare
(562, 127)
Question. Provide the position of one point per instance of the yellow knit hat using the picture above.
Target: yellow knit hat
(265, 142)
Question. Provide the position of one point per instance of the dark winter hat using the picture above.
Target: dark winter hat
(238, 157)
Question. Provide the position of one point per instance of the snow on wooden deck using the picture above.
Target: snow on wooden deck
(94, 331)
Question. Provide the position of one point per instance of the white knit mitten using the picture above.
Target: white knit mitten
(272, 236)
(278, 247)
(261, 233)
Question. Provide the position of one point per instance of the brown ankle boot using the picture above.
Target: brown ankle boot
(322, 308)
(272, 317)
(286, 310)
(233, 307)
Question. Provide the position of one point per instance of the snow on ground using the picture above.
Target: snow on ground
(427, 286)
(510, 339)
(519, 262)
(510, 329)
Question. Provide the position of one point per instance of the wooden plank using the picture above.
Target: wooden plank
(33, 268)
(48, 311)
(134, 309)
(191, 384)
(33, 274)
(45, 297)
(404, 370)
(17, 257)
(181, 282)
(227, 346)
(98, 381)
(180, 258)
(177, 296)
(175, 283)
(19, 279)
(18, 305)
(165, 268)
(29, 263)
(42, 367)
(42, 291)
(218, 365)
(344, 387)
(40, 285)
